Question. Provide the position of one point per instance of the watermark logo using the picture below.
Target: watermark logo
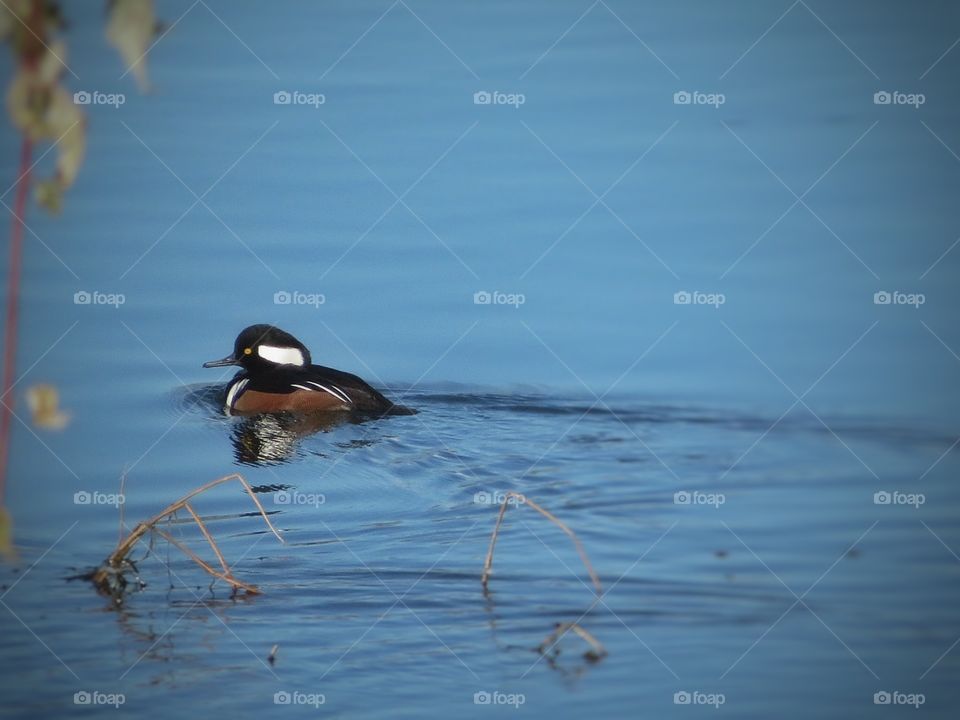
(696, 497)
(684, 297)
(896, 497)
(484, 97)
(283, 697)
(895, 97)
(898, 698)
(295, 97)
(684, 97)
(83, 297)
(483, 297)
(282, 297)
(696, 697)
(83, 497)
(292, 497)
(85, 97)
(95, 697)
(496, 497)
(883, 297)
(482, 697)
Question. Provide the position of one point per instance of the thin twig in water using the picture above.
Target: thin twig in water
(488, 562)
(123, 484)
(596, 652)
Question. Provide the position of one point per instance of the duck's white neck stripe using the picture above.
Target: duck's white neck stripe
(234, 392)
(280, 356)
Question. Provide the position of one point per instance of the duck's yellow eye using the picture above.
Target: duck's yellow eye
(247, 351)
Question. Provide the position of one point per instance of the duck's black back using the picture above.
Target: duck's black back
(364, 398)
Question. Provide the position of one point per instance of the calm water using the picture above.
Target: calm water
(789, 403)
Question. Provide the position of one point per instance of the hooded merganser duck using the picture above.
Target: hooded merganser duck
(277, 376)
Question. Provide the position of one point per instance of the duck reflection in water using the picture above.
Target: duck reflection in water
(275, 437)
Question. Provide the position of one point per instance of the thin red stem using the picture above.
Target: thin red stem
(13, 301)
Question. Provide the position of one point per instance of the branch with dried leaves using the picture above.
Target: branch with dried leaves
(109, 576)
(39, 103)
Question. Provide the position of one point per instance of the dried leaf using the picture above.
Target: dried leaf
(131, 30)
(32, 91)
(43, 401)
(68, 124)
(7, 551)
(27, 103)
(63, 121)
(6, 21)
(52, 63)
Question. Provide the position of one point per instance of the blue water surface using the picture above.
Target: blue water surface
(688, 355)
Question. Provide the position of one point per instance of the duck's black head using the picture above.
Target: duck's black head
(264, 347)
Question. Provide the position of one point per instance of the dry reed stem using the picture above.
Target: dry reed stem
(123, 484)
(225, 576)
(488, 562)
(206, 534)
(118, 557)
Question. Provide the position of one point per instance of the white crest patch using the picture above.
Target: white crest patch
(280, 356)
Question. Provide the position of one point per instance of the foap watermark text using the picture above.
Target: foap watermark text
(685, 297)
(95, 97)
(482, 697)
(295, 97)
(483, 297)
(696, 497)
(884, 297)
(496, 497)
(292, 497)
(685, 97)
(895, 697)
(95, 297)
(295, 697)
(696, 697)
(95, 697)
(895, 97)
(83, 497)
(485, 97)
(895, 497)
(283, 297)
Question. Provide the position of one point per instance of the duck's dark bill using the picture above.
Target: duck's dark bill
(228, 360)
